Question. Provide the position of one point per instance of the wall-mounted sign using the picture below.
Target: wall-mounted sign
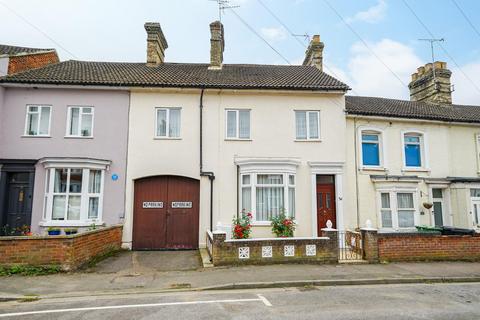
(152, 205)
(181, 204)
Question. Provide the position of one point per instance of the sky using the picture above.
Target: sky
(372, 45)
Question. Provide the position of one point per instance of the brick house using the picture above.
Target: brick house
(15, 59)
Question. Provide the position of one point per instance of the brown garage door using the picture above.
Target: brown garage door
(165, 213)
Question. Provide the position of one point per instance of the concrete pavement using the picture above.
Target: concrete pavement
(413, 301)
(133, 272)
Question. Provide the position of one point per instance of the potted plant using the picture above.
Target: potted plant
(69, 231)
(53, 231)
(242, 226)
(282, 226)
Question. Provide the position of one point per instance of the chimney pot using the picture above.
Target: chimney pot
(156, 44)
(217, 45)
(314, 53)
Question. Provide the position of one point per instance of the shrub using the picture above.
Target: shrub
(242, 226)
(283, 226)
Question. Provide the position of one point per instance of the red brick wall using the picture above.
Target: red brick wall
(411, 247)
(30, 61)
(70, 252)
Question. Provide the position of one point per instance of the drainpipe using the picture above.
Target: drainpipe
(209, 174)
(355, 136)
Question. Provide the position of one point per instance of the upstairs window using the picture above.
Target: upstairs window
(80, 122)
(238, 124)
(371, 149)
(167, 124)
(413, 150)
(307, 125)
(38, 120)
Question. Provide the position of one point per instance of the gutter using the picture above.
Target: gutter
(209, 174)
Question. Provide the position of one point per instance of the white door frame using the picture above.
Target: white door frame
(446, 204)
(327, 168)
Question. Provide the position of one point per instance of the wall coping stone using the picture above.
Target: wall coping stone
(63, 236)
(279, 239)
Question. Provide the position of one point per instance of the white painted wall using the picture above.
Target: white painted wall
(4, 65)
(272, 135)
(451, 151)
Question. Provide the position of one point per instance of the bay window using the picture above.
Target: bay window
(397, 209)
(268, 195)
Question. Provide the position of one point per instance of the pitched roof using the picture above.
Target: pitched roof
(392, 108)
(12, 50)
(184, 75)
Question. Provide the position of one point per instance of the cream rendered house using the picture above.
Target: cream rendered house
(414, 162)
(208, 141)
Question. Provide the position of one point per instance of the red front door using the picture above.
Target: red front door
(325, 202)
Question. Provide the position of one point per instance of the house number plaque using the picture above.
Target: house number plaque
(152, 205)
(179, 204)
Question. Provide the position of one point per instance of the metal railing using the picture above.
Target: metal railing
(209, 244)
(350, 246)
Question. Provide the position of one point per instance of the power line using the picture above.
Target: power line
(36, 28)
(440, 45)
(364, 43)
(466, 18)
(259, 36)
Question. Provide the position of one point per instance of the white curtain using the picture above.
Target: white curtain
(244, 124)
(44, 120)
(269, 202)
(247, 199)
(174, 130)
(161, 123)
(231, 124)
(301, 124)
(313, 124)
(74, 116)
(405, 217)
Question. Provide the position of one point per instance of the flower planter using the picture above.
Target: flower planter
(71, 232)
(54, 232)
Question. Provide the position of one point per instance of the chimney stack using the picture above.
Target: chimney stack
(431, 83)
(156, 44)
(217, 45)
(314, 53)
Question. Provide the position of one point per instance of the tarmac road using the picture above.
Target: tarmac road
(413, 301)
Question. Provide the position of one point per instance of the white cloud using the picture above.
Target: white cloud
(466, 91)
(373, 14)
(274, 34)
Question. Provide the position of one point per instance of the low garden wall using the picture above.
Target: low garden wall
(427, 247)
(67, 251)
(272, 250)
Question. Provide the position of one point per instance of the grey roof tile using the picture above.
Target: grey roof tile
(12, 50)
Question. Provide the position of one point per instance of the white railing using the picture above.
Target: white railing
(209, 243)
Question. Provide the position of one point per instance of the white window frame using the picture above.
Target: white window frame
(167, 131)
(381, 147)
(471, 219)
(394, 207)
(477, 144)
(253, 189)
(237, 123)
(51, 164)
(69, 122)
(307, 112)
(423, 150)
(27, 113)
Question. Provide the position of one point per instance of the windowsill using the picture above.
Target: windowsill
(308, 140)
(415, 169)
(64, 223)
(265, 223)
(372, 168)
(237, 139)
(397, 230)
(166, 138)
(37, 136)
(77, 137)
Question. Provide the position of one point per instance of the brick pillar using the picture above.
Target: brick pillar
(370, 244)
(333, 242)
(219, 238)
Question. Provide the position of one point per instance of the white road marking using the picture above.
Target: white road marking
(264, 300)
(16, 314)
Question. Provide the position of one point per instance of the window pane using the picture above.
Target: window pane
(231, 124)
(412, 139)
(60, 185)
(74, 207)
(58, 208)
(161, 123)
(246, 179)
(387, 219)
(174, 130)
(291, 202)
(270, 179)
(44, 120)
(244, 124)
(74, 120)
(87, 110)
(76, 180)
(301, 124)
(370, 154)
(291, 179)
(370, 137)
(93, 208)
(328, 200)
(413, 155)
(437, 193)
(475, 193)
(94, 181)
(269, 202)
(405, 218)
(476, 215)
(385, 201)
(313, 125)
(247, 199)
(32, 124)
(405, 200)
(32, 109)
(87, 121)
